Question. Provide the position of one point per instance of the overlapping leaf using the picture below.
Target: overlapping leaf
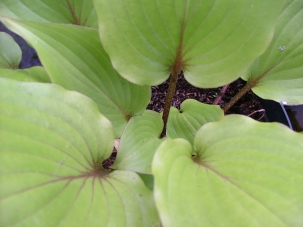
(33, 74)
(192, 115)
(278, 73)
(75, 59)
(10, 52)
(244, 173)
(79, 12)
(139, 142)
(148, 180)
(213, 41)
(53, 143)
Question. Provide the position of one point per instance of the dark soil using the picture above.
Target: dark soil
(248, 105)
(108, 162)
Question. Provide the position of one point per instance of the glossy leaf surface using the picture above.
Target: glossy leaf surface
(79, 12)
(75, 59)
(192, 115)
(10, 52)
(139, 142)
(213, 41)
(244, 173)
(53, 143)
(34, 74)
(277, 74)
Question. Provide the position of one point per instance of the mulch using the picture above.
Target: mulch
(248, 105)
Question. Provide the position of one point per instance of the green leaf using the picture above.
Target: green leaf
(53, 143)
(245, 173)
(75, 59)
(139, 142)
(213, 42)
(79, 12)
(192, 115)
(10, 52)
(148, 180)
(34, 74)
(277, 74)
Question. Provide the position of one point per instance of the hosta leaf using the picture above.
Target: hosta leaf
(53, 143)
(74, 58)
(148, 180)
(10, 52)
(34, 74)
(79, 12)
(139, 142)
(213, 41)
(277, 74)
(192, 115)
(244, 173)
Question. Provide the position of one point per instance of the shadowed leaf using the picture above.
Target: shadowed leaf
(192, 116)
(79, 12)
(34, 74)
(10, 52)
(139, 142)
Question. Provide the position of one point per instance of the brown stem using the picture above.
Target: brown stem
(239, 95)
(176, 68)
(71, 9)
(222, 93)
(168, 100)
(249, 85)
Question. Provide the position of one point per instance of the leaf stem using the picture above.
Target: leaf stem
(175, 69)
(239, 95)
(168, 100)
(220, 96)
(248, 86)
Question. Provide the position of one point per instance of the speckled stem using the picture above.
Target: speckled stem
(168, 101)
